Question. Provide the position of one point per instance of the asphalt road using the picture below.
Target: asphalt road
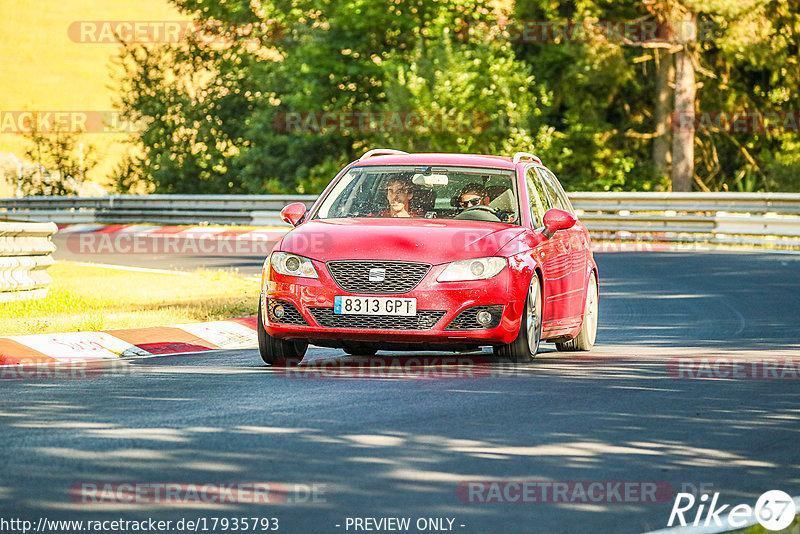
(395, 445)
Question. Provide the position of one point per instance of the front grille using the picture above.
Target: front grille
(424, 320)
(467, 319)
(400, 276)
(291, 315)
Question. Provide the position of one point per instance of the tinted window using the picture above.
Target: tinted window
(540, 203)
(554, 192)
(562, 195)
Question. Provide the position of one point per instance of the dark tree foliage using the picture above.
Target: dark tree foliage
(220, 107)
(601, 95)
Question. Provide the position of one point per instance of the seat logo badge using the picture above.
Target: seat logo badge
(377, 275)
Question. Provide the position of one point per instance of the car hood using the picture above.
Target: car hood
(423, 240)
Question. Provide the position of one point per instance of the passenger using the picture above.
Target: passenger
(399, 192)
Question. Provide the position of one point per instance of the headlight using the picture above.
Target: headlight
(477, 269)
(293, 265)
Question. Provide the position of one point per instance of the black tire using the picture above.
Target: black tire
(584, 341)
(278, 352)
(524, 348)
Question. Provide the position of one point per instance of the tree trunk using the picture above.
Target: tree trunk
(683, 121)
(662, 140)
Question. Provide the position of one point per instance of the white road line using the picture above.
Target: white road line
(127, 268)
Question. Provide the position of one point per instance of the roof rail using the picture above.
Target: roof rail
(519, 155)
(376, 151)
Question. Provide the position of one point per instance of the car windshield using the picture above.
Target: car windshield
(466, 193)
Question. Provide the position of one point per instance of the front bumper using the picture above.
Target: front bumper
(445, 312)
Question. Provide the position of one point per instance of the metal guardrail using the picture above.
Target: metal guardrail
(25, 255)
(759, 219)
(755, 219)
(253, 210)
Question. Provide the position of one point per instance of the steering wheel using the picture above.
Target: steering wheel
(480, 208)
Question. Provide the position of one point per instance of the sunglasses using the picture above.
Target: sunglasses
(469, 203)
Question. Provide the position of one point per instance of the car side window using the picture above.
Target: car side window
(562, 195)
(538, 198)
(558, 198)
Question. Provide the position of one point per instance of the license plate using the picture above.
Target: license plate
(344, 305)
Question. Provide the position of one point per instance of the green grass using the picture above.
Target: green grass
(83, 298)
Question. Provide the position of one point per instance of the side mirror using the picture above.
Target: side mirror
(555, 220)
(293, 213)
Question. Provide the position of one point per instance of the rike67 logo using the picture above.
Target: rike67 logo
(774, 510)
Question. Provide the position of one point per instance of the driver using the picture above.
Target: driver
(473, 195)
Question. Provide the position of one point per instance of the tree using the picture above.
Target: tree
(600, 94)
(685, 93)
(598, 108)
(614, 112)
(488, 96)
(749, 66)
(60, 162)
(662, 112)
(217, 112)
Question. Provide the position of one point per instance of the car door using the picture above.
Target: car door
(575, 244)
(554, 256)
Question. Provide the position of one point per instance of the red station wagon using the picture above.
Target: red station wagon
(431, 252)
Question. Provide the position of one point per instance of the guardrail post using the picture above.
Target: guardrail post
(25, 254)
